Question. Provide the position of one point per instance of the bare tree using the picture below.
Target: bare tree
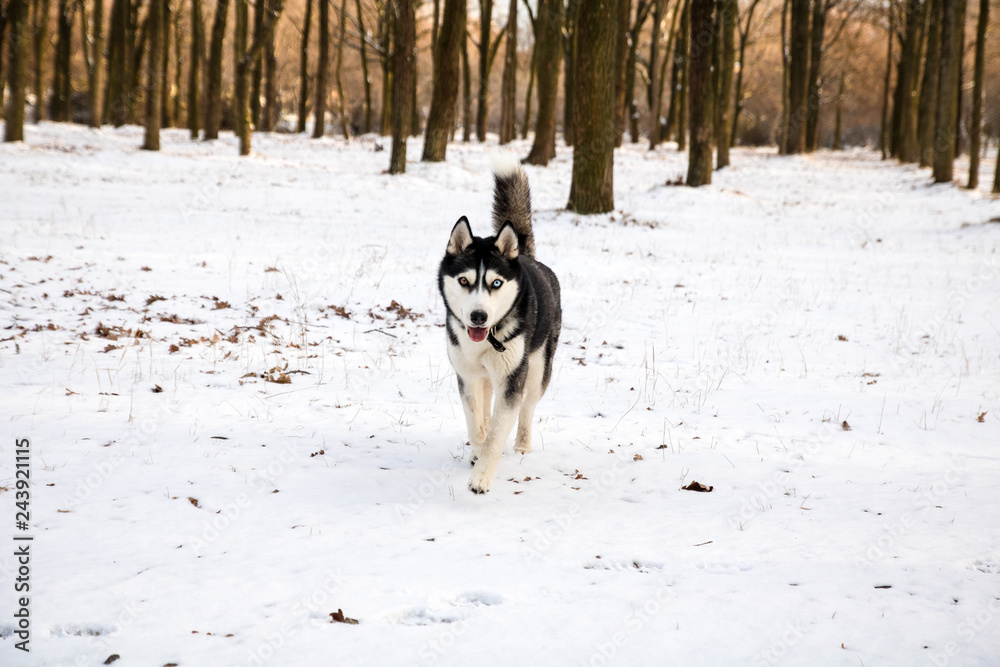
(532, 69)
(621, 68)
(904, 138)
(404, 44)
(744, 24)
(40, 34)
(642, 10)
(344, 129)
(440, 120)
(366, 78)
(213, 92)
(548, 49)
(154, 75)
(976, 124)
(17, 17)
(62, 88)
(702, 104)
(952, 25)
(926, 112)
(726, 20)
(322, 70)
(303, 107)
(244, 58)
(508, 88)
(466, 92)
(798, 78)
(93, 49)
(591, 190)
(488, 48)
(569, 78)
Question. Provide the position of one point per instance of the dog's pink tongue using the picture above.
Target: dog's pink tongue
(478, 334)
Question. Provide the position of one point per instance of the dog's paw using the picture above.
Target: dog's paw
(481, 480)
(522, 447)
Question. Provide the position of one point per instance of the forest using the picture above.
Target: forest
(915, 79)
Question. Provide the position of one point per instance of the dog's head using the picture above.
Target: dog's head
(479, 277)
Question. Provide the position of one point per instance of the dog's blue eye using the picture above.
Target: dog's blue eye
(497, 283)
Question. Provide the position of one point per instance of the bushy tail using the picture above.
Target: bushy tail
(512, 202)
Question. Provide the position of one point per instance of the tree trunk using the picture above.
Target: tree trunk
(532, 68)
(466, 93)
(385, 45)
(166, 20)
(17, 19)
(118, 62)
(96, 33)
(682, 92)
(303, 109)
(884, 139)
(440, 120)
(952, 21)
(244, 58)
(414, 124)
(738, 93)
(621, 68)
(642, 13)
(815, 73)
(961, 81)
(154, 75)
(403, 55)
(322, 70)
(702, 103)
(508, 88)
(197, 58)
(724, 99)
(929, 88)
(485, 20)
(40, 35)
(904, 142)
(838, 123)
(62, 89)
(259, 10)
(364, 67)
(213, 95)
(798, 78)
(976, 125)
(996, 175)
(342, 107)
(782, 130)
(573, 8)
(269, 112)
(660, 129)
(241, 76)
(591, 190)
(548, 49)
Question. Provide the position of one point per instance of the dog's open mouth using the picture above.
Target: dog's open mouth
(478, 334)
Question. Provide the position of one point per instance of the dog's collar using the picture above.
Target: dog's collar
(497, 345)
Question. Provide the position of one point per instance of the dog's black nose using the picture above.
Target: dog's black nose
(478, 317)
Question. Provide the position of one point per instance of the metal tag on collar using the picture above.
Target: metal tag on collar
(497, 345)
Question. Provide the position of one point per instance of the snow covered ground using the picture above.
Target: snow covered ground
(232, 374)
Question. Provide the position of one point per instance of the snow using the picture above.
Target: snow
(815, 337)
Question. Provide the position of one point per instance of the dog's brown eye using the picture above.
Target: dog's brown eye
(463, 281)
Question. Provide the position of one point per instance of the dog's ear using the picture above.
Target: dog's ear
(507, 241)
(461, 237)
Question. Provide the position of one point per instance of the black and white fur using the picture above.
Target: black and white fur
(503, 323)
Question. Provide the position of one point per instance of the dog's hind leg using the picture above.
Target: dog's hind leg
(532, 394)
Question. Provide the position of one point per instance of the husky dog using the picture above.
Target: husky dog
(503, 323)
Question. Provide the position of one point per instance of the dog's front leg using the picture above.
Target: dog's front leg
(476, 402)
(502, 422)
